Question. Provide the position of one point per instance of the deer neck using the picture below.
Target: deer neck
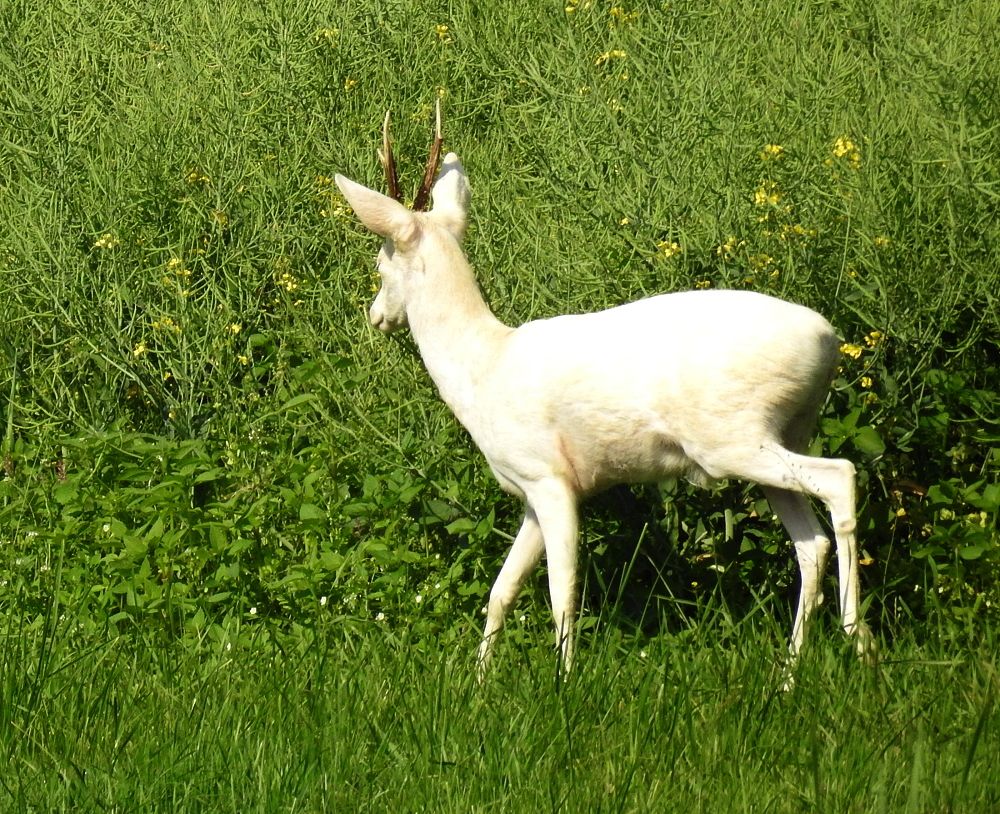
(455, 330)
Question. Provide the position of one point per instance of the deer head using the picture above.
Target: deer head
(405, 230)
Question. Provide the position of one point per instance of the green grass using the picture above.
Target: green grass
(221, 494)
(373, 720)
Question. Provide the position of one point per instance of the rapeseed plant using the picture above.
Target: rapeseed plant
(844, 148)
(668, 249)
(619, 16)
(767, 194)
(166, 323)
(728, 249)
(107, 241)
(607, 56)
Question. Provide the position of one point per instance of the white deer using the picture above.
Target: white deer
(701, 384)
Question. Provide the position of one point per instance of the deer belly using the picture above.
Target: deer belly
(604, 453)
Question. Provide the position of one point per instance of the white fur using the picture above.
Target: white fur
(701, 384)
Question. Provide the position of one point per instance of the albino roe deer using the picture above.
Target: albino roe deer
(701, 384)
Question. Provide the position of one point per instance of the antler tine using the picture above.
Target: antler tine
(423, 194)
(388, 162)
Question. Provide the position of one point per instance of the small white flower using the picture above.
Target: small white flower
(322, 601)
(106, 528)
(642, 654)
(418, 599)
(253, 611)
(229, 646)
(380, 617)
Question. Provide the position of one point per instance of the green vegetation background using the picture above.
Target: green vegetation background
(205, 447)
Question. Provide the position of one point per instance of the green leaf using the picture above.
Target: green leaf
(135, 547)
(310, 511)
(461, 526)
(64, 493)
(868, 441)
(441, 510)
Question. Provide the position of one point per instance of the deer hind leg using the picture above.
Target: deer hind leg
(832, 481)
(525, 552)
(812, 549)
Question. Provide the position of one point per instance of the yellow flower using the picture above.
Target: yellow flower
(703, 284)
(624, 221)
(607, 56)
(772, 152)
(196, 176)
(166, 324)
(243, 359)
(790, 230)
(844, 148)
(349, 84)
(621, 17)
(288, 282)
(767, 194)
(442, 32)
(852, 350)
(235, 328)
(139, 350)
(107, 241)
(728, 249)
(866, 381)
(881, 242)
(668, 248)
(873, 338)
(176, 265)
(328, 34)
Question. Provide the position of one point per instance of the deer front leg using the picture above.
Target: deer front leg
(525, 552)
(555, 506)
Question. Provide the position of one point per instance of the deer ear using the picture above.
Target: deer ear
(451, 195)
(381, 214)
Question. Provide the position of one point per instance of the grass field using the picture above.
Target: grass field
(376, 722)
(243, 546)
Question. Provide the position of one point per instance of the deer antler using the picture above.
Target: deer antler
(423, 194)
(389, 164)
